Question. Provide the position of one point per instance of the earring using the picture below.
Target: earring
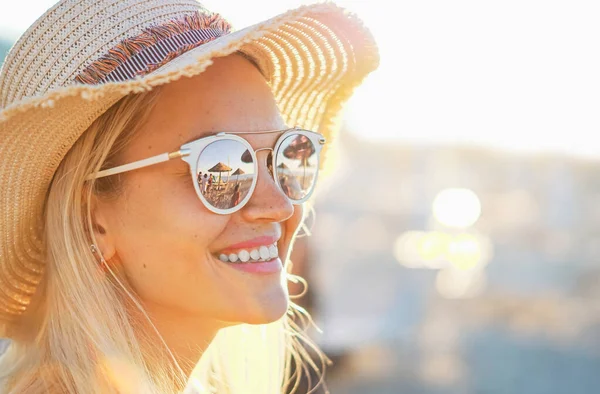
(103, 265)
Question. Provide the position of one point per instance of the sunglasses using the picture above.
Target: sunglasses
(224, 166)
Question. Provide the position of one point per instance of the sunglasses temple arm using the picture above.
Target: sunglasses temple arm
(139, 164)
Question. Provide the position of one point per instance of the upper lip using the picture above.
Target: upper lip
(251, 243)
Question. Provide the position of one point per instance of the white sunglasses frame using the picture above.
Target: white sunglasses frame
(190, 152)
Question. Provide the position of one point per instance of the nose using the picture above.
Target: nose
(268, 203)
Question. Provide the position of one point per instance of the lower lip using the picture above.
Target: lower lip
(263, 267)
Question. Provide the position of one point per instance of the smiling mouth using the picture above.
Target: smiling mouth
(254, 255)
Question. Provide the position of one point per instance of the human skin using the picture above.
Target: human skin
(159, 235)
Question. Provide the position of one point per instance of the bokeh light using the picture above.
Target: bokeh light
(456, 207)
(467, 251)
(432, 248)
(405, 249)
(438, 250)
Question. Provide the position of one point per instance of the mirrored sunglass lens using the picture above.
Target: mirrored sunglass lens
(297, 166)
(225, 173)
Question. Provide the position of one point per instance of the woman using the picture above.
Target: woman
(117, 274)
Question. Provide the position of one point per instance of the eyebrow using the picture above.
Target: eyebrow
(254, 62)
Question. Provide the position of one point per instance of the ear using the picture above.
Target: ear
(101, 226)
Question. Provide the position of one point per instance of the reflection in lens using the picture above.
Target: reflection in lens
(297, 166)
(225, 173)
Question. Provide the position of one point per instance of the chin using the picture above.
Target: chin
(270, 311)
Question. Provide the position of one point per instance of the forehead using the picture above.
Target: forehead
(230, 95)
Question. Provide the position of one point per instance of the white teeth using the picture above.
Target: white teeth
(264, 252)
(273, 251)
(244, 256)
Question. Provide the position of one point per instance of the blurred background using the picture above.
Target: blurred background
(455, 246)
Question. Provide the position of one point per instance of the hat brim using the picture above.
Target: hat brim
(313, 57)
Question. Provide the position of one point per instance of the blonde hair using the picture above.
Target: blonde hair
(86, 331)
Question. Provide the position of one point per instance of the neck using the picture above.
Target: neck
(186, 336)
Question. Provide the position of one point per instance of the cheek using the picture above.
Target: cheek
(163, 232)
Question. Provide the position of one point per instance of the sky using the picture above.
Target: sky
(522, 75)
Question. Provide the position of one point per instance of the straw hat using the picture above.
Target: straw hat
(82, 56)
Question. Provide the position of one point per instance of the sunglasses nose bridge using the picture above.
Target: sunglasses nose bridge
(259, 149)
(266, 158)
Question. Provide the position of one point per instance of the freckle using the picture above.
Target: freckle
(144, 265)
(149, 147)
